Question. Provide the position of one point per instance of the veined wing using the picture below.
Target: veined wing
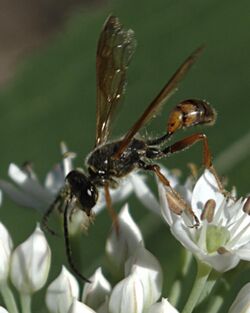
(114, 51)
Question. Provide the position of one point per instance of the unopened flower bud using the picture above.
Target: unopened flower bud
(61, 292)
(5, 251)
(149, 272)
(79, 307)
(121, 246)
(94, 293)
(30, 263)
(127, 296)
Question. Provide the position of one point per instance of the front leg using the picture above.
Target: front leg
(55, 205)
(67, 242)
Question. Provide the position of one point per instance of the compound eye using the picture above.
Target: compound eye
(88, 197)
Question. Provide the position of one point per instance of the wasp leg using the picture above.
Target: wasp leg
(68, 246)
(207, 157)
(45, 218)
(111, 211)
(176, 203)
(158, 141)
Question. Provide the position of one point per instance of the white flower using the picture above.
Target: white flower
(61, 292)
(30, 263)
(241, 303)
(127, 296)
(143, 284)
(120, 247)
(5, 252)
(3, 310)
(223, 237)
(79, 307)
(28, 191)
(94, 293)
(162, 307)
(149, 271)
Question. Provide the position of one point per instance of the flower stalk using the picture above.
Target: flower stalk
(176, 290)
(25, 302)
(203, 272)
(8, 298)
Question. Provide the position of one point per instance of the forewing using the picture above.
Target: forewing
(162, 97)
(114, 51)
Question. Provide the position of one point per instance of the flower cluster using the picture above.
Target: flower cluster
(218, 237)
(138, 291)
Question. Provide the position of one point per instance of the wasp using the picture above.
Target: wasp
(110, 161)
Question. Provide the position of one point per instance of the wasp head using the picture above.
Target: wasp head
(83, 189)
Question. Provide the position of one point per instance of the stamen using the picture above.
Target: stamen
(222, 250)
(208, 211)
(246, 207)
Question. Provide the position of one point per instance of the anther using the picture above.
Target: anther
(222, 250)
(208, 211)
(246, 206)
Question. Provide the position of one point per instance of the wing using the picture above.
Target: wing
(161, 98)
(114, 51)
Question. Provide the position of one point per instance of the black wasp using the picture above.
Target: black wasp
(112, 160)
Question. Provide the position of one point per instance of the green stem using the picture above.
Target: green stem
(8, 298)
(215, 304)
(177, 286)
(25, 302)
(210, 285)
(202, 275)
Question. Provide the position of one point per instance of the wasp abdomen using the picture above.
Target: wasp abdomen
(189, 113)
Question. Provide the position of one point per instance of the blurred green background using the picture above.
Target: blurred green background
(51, 98)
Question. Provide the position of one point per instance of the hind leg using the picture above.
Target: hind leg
(207, 157)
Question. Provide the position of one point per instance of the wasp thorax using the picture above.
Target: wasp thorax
(189, 113)
(82, 188)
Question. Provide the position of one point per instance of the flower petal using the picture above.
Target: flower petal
(30, 263)
(149, 271)
(241, 303)
(61, 292)
(28, 184)
(5, 252)
(144, 193)
(79, 307)
(94, 293)
(222, 262)
(127, 296)
(206, 188)
(67, 161)
(55, 179)
(122, 192)
(120, 247)
(23, 198)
